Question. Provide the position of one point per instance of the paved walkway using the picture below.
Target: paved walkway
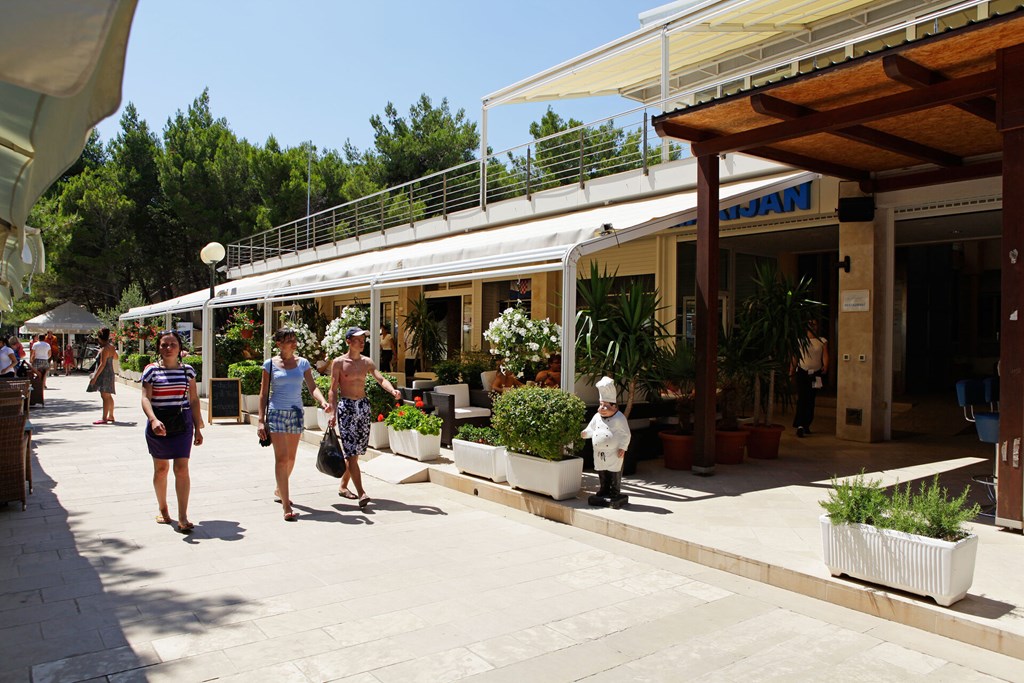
(428, 584)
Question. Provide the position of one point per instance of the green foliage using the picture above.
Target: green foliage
(618, 333)
(381, 402)
(428, 339)
(131, 297)
(135, 362)
(474, 363)
(928, 512)
(251, 374)
(307, 397)
(774, 322)
(409, 417)
(539, 421)
(485, 435)
(229, 350)
(197, 364)
(447, 371)
(674, 371)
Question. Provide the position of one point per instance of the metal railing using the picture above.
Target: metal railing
(574, 156)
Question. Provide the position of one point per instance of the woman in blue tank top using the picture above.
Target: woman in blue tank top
(281, 414)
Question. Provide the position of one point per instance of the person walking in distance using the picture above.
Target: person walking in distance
(39, 356)
(350, 409)
(102, 379)
(808, 372)
(387, 349)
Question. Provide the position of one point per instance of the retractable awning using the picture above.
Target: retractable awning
(61, 65)
(534, 246)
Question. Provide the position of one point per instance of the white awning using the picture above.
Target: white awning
(61, 65)
(699, 36)
(534, 246)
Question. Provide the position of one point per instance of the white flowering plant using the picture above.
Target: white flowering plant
(520, 340)
(333, 342)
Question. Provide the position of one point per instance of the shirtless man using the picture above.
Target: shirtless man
(351, 410)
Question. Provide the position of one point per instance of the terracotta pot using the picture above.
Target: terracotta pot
(763, 441)
(246, 334)
(729, 447)
(678, 450)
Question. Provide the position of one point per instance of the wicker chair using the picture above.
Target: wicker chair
(14, 403)
(12, 458)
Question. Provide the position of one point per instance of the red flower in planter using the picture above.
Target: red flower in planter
(380, 417)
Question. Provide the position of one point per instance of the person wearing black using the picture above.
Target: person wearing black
(809, 372)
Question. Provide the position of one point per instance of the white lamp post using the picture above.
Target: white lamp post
(212, 254)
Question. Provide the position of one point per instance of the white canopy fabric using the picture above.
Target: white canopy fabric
(61, 67)
(698, 34)
(476, 254)
(67, 318)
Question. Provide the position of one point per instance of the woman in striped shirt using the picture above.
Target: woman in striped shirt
(169, 394)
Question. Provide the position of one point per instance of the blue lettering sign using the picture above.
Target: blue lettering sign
(797, 198)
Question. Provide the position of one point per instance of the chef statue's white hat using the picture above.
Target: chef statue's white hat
(606, 390)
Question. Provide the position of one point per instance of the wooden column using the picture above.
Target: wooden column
(1010, 122)
(706, 322)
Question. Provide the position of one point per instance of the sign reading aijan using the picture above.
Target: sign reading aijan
(797, 198)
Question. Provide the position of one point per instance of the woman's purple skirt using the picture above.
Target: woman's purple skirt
(171, 447)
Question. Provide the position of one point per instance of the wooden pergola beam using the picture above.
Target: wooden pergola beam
(788, 111)
(947, 92)
(909, 72)
(987, 169)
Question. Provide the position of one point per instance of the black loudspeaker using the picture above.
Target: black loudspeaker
(856, 209)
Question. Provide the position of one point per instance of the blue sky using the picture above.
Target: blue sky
(317, 70)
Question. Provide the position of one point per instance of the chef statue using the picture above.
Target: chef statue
(610, 433)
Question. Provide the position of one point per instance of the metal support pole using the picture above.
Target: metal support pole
(582, 184)
(444, 195)
(646, 169)
(483, 156)
(528, 160)
(375, 323)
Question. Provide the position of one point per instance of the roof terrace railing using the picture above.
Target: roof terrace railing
(577, 155)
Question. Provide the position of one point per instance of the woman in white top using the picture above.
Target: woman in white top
(39, 356)
(809, 372)
(8, 361)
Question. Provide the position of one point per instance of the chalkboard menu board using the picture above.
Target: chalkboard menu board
(225, 399)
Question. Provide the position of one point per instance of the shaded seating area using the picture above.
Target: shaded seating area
(972, 394)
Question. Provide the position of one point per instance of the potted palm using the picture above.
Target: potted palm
(413, 433)
(427, 335)
(674, 371)
(381, 405)
(774, 322)
(618, 333)
(480, 451)
(911, 541)
(541, 429)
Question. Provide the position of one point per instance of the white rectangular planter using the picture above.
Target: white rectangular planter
(938, 569)
(251, 403)
(379, 436)
(560, 479)
(411, 443)
(309, 417)
(480, 459)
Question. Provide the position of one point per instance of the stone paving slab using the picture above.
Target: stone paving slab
(426, 584)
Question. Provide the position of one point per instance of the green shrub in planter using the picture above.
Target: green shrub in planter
(928, 512)
(197, 364)
(381, 402)
(127, 361)
(485, 435)
(318, 379)
(142, 360)
(251, 374)
(539, 421)
(409, 417)
(447, 371)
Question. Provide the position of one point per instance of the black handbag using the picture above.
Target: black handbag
(173, 419)
(331, 459)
